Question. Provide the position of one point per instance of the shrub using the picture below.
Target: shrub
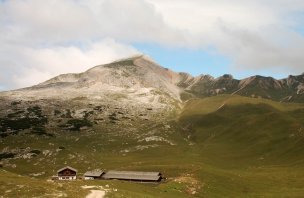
(78, 123)
(6, 155)
(37, 152)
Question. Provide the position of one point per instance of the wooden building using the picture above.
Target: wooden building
(67, 173)
(133, 176)
(95, 174)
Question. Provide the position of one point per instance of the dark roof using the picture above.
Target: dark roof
(94, 173)
(132, 175)
(67, 167)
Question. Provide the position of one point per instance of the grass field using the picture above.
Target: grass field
(223, 146)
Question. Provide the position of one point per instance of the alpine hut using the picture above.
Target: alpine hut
(67, 173)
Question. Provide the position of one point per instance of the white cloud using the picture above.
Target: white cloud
(255, 35)
(28, 66)
(40, 39)
(62, 21)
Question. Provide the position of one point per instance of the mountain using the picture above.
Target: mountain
(210, 137)
(133, 88)
(137, 73)
(137, 78)
(284, 90)
(140, 75)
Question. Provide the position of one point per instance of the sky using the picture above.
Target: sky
(42, 39)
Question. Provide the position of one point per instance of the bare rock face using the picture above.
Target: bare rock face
(133, 73)
(137, 80)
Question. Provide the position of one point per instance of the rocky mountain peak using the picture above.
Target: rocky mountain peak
(227, 76)
(136, 80)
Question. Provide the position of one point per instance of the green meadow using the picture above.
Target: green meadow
(223, 146)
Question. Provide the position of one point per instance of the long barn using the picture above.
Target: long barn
(133, 176)
(95, 174)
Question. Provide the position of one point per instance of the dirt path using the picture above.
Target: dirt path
(96, 194)
(222, 106)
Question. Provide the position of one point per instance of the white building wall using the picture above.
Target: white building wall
(67, 178)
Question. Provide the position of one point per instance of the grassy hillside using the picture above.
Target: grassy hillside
(250, 147)
(223, 146)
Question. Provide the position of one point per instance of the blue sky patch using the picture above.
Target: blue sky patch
(195, 62)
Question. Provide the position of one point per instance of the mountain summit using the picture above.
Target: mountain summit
(134, 73)
(137, 80)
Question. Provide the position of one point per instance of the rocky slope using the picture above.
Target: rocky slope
(121, 93)
(137, 80)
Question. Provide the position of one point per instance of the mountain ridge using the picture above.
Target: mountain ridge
(141, 72)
